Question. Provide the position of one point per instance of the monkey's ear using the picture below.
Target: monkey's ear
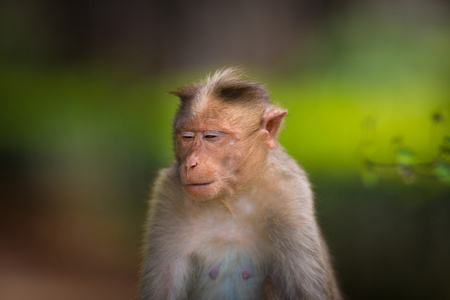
(271, 123)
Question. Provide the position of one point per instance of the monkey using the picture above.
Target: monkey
(232, 217)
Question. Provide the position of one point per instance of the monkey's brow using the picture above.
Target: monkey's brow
(202, 130)
(252, 132)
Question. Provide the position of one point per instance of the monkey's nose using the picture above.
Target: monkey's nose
(191, 164)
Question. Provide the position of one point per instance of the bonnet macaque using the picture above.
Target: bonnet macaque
(233, 216)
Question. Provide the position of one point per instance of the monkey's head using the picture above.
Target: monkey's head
(223, 130)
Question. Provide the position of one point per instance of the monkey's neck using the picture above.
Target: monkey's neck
(227, 206)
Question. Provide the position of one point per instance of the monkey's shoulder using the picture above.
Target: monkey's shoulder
(167, 184)
(290, 178)
(167, 203)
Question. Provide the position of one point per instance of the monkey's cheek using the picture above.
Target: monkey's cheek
(201, 193)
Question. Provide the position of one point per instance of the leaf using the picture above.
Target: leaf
(442, 171)
(405, 157)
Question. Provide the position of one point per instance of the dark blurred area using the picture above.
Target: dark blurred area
(85, 124)
(152, 36)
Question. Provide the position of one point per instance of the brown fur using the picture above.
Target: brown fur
(257, 214)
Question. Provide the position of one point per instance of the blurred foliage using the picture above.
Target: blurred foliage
(394, 70)
(405, 162)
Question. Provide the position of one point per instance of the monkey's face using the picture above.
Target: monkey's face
(216, 157)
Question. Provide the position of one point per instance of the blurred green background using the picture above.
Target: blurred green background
(85, 121)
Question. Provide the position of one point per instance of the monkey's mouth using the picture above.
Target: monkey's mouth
(200, 191)
(198, 184)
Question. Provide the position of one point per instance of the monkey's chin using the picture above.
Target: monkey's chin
(201, 191)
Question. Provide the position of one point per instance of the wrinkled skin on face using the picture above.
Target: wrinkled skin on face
(210, 157)
(215, 155)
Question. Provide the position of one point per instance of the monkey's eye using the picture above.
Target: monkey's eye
(211, 135)
(187, 135)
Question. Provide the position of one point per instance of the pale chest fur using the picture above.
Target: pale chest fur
(216, 225)
(223, 240)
